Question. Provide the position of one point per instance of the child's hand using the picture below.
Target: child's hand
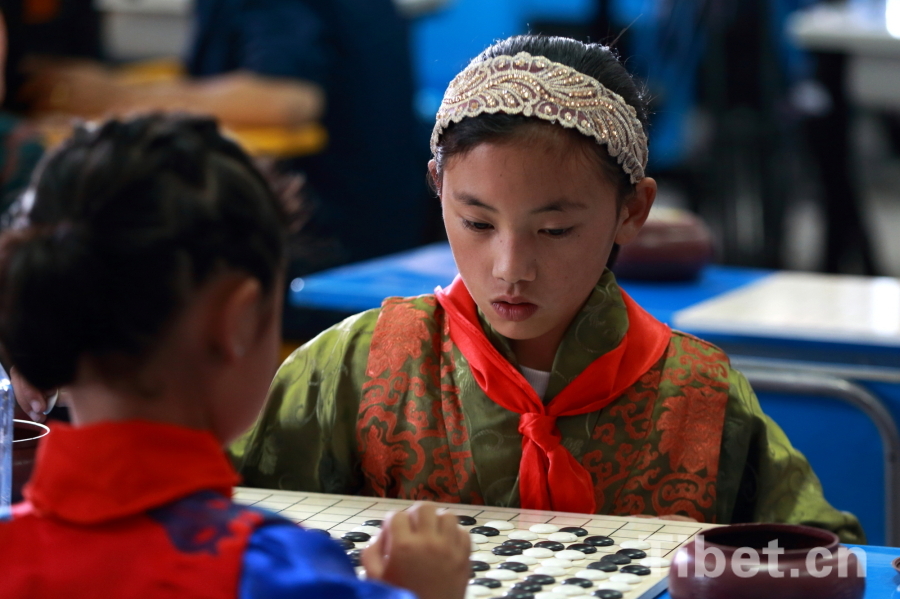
(30, 399)
(423, 551)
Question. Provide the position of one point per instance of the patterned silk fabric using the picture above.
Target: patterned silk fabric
(408, 420)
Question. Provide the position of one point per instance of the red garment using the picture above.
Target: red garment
(126, 509)
(550, 478)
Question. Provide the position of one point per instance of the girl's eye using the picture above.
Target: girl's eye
(558, 232)
(476, 226)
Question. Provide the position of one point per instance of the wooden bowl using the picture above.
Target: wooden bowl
(804, 562)
(673, 245)
(26, 435)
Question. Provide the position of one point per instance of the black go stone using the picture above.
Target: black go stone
(520, 543)
(575, 530)
(581, 582)
(486, 582)
(599, 541)
(616, 558)
(528, 587)
(551, 545)
(466, 520)
(541, 579)
(635, 569)
(488, 531)
(355, 556)
(514, 566)
(518, 594)
(356, 537)
(372, 523)
(320, 531)
(345, 544)
(584, 548)
(506, 550)
(607, 594)
(479, 566)
(603, 566)
(632, 553)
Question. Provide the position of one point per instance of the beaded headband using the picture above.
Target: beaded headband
(534, 86)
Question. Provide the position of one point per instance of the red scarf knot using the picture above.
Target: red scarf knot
(541, 430)
(550, 478)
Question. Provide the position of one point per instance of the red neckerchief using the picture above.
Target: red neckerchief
(550, 478)
(108, 470)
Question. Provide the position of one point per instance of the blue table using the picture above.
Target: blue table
(873, 369)
(364, 285)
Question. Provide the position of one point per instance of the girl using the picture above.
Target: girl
(147, 280)
(533, 380)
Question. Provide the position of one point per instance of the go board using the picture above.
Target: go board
(516, 553)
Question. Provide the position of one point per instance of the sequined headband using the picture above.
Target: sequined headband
(537, 87)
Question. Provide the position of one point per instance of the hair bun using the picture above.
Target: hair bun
(47, 276)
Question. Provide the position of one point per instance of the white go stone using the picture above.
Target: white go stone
(486, 557)
(614, 586)
(523, 559)
(570, 554)
(500, 525)
(550, 571)
(555, 562)
(477, 538)
(501, 574)
(562, 537)
(522, 535)
(626, 578)
(655, 562)
(370, 530)
(538, 552)
(478, 590)
(569, 590)
(592, 575)
(634, 545)
(543, 528)
(549, 595)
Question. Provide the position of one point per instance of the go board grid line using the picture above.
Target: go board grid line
(339, 514)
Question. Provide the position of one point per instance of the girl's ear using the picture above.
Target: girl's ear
(236, 322)
(435, 177)
(635, 211)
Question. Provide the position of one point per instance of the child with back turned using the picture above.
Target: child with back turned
(146, 278)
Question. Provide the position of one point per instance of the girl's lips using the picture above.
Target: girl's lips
(514, 312)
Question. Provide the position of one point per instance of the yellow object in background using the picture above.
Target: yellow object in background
(274, 142)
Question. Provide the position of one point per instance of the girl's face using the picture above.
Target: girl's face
(531, 223)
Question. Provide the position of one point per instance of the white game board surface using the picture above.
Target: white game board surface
(658, 539)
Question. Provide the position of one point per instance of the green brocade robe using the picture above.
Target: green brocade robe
(384, 404)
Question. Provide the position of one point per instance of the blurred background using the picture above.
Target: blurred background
(775, 121)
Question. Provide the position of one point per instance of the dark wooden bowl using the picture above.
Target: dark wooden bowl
(673, 245)
(812, 563)
(26, 435)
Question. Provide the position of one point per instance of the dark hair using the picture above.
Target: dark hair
(125, 221)
(594, 60)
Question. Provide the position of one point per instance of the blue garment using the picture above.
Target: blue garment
(283, 560)
(371, 176)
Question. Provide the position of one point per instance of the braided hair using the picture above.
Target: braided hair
(124, 222)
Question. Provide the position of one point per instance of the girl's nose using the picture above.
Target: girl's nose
(514, 260)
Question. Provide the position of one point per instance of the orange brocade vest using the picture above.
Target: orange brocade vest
(654, 448)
